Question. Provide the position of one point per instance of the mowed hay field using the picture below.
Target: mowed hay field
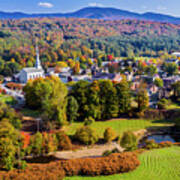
(158, 164)
(118, 125)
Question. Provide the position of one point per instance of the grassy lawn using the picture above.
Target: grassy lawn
(119, 125)
(7, 99)
(160, 164)
(173, 106)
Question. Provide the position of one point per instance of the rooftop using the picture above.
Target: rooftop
(32, 70)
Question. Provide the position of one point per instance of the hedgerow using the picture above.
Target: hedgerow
(112, 164)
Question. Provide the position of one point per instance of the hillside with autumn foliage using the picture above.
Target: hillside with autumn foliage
(61, 39)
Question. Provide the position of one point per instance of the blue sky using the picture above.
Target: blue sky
(171, 7)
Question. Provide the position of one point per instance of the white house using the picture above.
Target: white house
(32, 72)
(177, 54)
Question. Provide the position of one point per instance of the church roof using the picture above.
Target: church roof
(32, 70)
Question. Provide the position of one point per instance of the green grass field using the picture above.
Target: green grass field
(118, 125)
(160, 164)
(173, 106)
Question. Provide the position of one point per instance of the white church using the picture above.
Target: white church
(32, 73)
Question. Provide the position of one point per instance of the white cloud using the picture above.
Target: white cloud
(144, 7)
(94, 4)
(45, 4)
(161, 8)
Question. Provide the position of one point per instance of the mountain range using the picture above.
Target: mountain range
(98, 13)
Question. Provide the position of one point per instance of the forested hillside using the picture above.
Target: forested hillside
(61, 39)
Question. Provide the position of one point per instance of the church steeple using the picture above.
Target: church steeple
(38, 63)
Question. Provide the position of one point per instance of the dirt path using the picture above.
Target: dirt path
(94, 151)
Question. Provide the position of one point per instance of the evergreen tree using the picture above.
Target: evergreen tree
(72, 109)
(108, 99)
(124, 96)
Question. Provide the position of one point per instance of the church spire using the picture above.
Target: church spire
(38, 63)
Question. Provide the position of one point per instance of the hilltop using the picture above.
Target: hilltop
(97, 13)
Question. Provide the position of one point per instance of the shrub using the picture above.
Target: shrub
(22, 165)
(63, 141)
(88, 121)
(162, 104)
(8, 163)
(86, 135)
(129, 141)
(107, 153)
(112, 164)
(109, 135)
(10, 114)
(139, 114)
(165, 144)
(115, 150)
(50, 171)
(151, 144)
(36, 143)
(49, 143)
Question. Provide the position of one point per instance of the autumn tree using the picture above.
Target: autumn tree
(171, 68)
(76, 68)
(151, 70)
(142, 99)
(158, 82)
(49, 96)
(49, 143)
(93, 107)
(36, 144)
(9, 144)
(10, 114)
(176, 90)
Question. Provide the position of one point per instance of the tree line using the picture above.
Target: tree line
(99, 100)
(62, 39)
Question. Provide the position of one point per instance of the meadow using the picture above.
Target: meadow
(118, 125)
(158, 164)
(173, 106)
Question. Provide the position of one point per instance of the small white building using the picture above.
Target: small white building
(177, 54)
(32, 72)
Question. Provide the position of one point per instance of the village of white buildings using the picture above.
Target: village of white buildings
(97, 73)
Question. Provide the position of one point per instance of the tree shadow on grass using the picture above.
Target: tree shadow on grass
(163, 121)
(166, 126)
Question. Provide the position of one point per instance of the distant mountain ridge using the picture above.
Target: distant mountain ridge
(98, 13)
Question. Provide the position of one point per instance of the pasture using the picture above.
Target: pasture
(118, 125)
(158, 164)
